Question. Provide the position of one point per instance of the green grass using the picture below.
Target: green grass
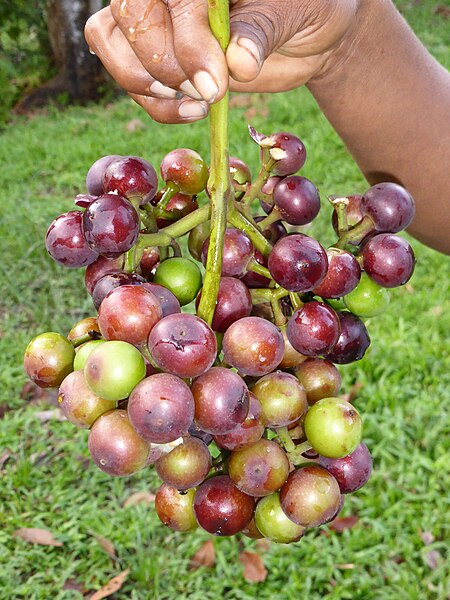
(49, 483)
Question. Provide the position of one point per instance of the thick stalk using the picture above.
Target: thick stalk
(219, 184)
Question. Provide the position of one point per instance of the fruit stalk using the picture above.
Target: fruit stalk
(219, 184)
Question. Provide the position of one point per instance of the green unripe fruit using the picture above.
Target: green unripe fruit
(272, 522)
(368, 299)
(333, 427)
(114, 369)
(181, 276)
(84, 352)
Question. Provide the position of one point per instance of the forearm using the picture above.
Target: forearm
(389, 100)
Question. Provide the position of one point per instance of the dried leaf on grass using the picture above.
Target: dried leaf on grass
(139, 498)
(204, 557)
(34, 535)
(72, 584)
(254, 569)
(6, 455)
(107, 546)
(33, 394)
(263, 544)
(4, 408)
(342, 523)
(112, 586)
(134, 125)
(443, 11)
(50, 415)
(427, 537)
(433, 559)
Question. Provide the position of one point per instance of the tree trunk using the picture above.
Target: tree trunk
(80, 73)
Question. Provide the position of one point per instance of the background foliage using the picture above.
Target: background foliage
(398, 548)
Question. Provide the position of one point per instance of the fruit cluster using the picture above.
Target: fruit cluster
(240, 415)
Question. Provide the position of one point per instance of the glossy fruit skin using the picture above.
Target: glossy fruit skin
(113, 369)
(101, 267)
(94, 177)
(186, 466)
(298, 263)
(254, 280)
(368, 299)
(168, 301)
(110, 282)
(161, 408)
(131, 177)
(240, 174)
(110, 225)
(233, 303)
(86, 325)
(311, 496)
(333, 427)
(297, 200)
(253, 345)
(319, 378)
(291, 358)
(268, 189)
(175, 509)
(181, 276)
(65, 241)
(352, 471)
(389, 260)
(313, 329)
(259, 470)
(342, 276)
(178, 206)
(246, 433)
(274, 231)
(353, 340)
(221, 400)
(149, 261)
(114, 445)
(237, 253)
(186, 169)
(83, 353)
(390, 207)
(79, 404)
(48, 359)
(295, 150)
(129, 313)
(282, 398)
(182, 344)
(272, 522)
(220, 508)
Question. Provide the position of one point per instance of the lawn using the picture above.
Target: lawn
(398, 548)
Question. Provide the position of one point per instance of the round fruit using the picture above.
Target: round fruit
(282, 398)
(246, 433)
(185, 466)
(66, 243)
(319, 378)
(295, 153)
(390, 207)
(352, 471)
(297, 200)
(333, 427)
(353, 340)
(388, 260)
(94, 177)
(342, 277)
(181, 276)
(176, 509)
(272, 522)
(131, 177)
(48, 359)
(368, 299)
(186, 169)
(83, 353)
(313, 329)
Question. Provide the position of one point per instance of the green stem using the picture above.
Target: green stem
(285, 439)
(356, 234)
(296, 455)
(279, 317)
(87, 337)
(219, 184)
(165, 236)
(340, 206)
(254, 266)
(263, 175)
(295, 300)
(238, 220)
(272, 217)
(169, 192)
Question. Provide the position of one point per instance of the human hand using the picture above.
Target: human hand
(162, 52)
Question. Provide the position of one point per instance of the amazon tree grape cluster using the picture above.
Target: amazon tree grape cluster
(239, 414)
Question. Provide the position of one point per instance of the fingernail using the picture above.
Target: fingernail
(206, 85)
(159, 89)
(190, 90)
(251, 47)
(193, 110)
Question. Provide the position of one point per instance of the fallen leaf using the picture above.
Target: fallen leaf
(72, 584)
(427, 537)
(254, 569)
(433, 559)
(4, 408)
(443, 11)
(34, 535)
(342, 523)
(409, 288)
(139, 498)
(134, 125)
(50, 415)
(437, 310)
(351, 395)
(263, 544)
(7, 454)
(112, 586)
(204, 557)
(345, 566)
(107, 546)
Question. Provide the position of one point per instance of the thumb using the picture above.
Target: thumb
(257, 29)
